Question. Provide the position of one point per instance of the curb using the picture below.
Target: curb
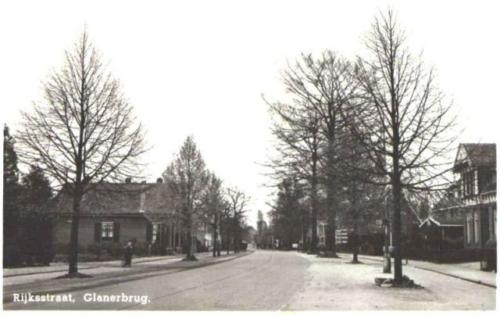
(442, 273)
(8, 299)
(458, 277)
(103, 264)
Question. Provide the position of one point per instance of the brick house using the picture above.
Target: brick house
(114, 213)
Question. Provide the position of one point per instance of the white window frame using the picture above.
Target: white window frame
(475, 188)
(107, 230)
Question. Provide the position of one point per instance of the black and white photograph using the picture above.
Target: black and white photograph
(296, 156)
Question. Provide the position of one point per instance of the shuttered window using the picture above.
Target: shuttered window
(107, 229)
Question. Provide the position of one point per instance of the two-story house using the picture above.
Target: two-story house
(475, 164)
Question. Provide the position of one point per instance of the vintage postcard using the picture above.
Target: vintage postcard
(249, 155)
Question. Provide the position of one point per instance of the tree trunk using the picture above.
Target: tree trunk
(228, 236)
(396, 223)
(237, 236)
(355, 216)
(214, 249)
(73, 241)
(189, 239)
(331, 227)
(304, 232)
(314, 205)
(330, 237)
(355, 244)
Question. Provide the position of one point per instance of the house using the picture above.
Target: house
(443, 229)
(475, 165)
(113, 213)
(466, 217)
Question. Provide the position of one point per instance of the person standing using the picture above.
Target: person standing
(128, 252)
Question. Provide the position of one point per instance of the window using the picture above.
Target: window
(466, 184)
(470, 182)
(476, 183)
(476, 227)
(107, 230)
(462, 189)
(469, 228)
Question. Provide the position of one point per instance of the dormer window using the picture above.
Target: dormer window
(475, 190)
(470, 183)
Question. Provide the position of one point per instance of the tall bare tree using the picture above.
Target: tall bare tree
(297, 130)
(401, 103)
(187, 176)
(325, 86)
(83, 133)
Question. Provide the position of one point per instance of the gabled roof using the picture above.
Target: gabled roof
(120, 198)
(440, 223)
(476, 154)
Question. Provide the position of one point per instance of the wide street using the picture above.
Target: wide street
(274, 280)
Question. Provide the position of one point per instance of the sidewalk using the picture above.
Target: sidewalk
(103, 273)
(61, 267)
(337, 284)
(465, 271)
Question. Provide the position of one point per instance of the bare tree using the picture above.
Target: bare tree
(298, 131)
(187, 176)
(83, 133)
(325, 86)
(401, 103)
(214, 205)
(237, 203)
(287, 215)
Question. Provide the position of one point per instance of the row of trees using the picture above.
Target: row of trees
(27, 237)
(355, 133)
(84, 133)
(201, 198)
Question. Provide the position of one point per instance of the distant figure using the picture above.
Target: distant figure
(128, 251)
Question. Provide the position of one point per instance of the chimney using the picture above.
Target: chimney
(159, 180)
(128, 180)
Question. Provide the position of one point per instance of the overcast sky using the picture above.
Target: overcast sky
(200, 67)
